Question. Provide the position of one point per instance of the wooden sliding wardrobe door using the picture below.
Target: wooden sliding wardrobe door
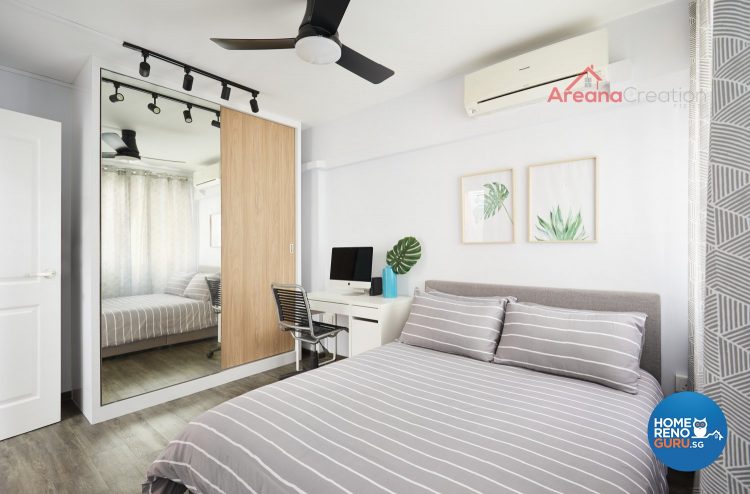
(257, 234)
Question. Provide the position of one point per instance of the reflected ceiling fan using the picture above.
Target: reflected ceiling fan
(318, 42)
(126, 148)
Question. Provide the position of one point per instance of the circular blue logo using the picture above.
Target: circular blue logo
(687, 431)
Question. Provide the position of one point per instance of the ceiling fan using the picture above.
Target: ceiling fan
(126, 148)
(318, 42)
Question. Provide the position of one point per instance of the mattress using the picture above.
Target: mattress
(140, 317)
(402, 419)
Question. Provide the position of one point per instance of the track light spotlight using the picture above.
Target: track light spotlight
(144, 69)
(118, 96)
(217, 123)
(187, 81)
(152, 106)
(254, 105)
(225, 90)
(186, 113)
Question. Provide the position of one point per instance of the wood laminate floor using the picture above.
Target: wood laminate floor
(74, 456)
(129, 375)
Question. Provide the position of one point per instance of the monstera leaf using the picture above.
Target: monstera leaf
(404, 255)
(558, 229)
(495, 195)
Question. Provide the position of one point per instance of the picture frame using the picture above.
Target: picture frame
(214, 220)
(488, 207)
(563, 201)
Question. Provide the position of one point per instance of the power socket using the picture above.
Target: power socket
(680, 382)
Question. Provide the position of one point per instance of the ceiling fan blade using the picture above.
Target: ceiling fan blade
(108, 155)
(254, 44)
(326, 13)
(363, 66)
(114, 141)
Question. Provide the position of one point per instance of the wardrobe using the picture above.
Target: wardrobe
(260, 232)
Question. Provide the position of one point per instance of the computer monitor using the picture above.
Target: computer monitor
(351, 267)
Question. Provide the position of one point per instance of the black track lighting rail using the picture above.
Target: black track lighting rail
(190, 68)
(159, 95)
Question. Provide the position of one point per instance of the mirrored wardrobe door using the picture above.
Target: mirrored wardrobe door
(160, 237)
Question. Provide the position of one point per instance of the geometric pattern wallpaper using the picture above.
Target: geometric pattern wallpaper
(726, 350)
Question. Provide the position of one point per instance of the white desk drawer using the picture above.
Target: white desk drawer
(363, 336)
(366, 312)
(330, 307)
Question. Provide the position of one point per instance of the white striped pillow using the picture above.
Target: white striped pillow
(602, 347)
(454, 324)
(177, 283)
(198, 288)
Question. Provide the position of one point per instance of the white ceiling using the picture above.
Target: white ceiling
(422, 40)
(165, 136)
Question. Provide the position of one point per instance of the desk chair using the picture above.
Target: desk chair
(214, 289)
(295, 317)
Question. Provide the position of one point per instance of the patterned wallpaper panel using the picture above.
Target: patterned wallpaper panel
(727, 316)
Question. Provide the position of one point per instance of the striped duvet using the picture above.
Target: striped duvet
(403, 419)
(140, 317)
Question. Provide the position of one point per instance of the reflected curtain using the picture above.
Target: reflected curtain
(148, 231)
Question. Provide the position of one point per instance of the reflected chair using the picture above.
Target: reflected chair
(295, 316)
(214, 289)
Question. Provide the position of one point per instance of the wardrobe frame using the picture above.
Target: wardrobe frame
(85, 265)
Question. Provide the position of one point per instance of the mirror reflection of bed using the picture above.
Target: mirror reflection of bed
(161, 239)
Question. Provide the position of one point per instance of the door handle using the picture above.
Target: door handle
(44, 274)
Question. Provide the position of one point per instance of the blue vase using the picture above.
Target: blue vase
(390, 287)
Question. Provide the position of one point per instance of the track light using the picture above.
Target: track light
(217, 123)
(186, 113)
(118, 96)
(187, 81)
(144, 69)
(225, 90)
(152, 106)
(254, 105)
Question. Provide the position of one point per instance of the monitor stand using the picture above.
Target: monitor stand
(354, 292)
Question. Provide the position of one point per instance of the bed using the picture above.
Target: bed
(405, 419)
(141, 322)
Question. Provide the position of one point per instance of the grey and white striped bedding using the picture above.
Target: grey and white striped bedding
(403, 419)
(140, 317)
(603, 347)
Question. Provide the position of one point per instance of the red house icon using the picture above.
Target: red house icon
(587, 71)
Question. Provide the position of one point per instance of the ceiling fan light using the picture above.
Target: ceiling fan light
(318, 50)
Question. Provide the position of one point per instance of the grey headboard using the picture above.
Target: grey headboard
(648, 303)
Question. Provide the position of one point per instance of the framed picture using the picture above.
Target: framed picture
(215, 229)
(487, 211)
(563, 201)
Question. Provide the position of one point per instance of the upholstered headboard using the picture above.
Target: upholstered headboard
(648, 303)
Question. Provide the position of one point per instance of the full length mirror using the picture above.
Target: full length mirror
(160, 237)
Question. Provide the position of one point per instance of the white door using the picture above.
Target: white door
(29, 273)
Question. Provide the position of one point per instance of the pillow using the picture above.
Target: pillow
(602, 347)
(638, 317)
(198, 288)
(177, 283)
(450, 296)
(455, 324)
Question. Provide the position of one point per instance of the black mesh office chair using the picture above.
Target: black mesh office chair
(214, 289)
(295, 317)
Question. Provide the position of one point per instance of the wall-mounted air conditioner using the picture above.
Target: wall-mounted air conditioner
(530, 77)
(207, 176)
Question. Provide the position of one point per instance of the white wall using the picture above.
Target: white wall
(207, 202)
(41, 97)
(394, 170)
